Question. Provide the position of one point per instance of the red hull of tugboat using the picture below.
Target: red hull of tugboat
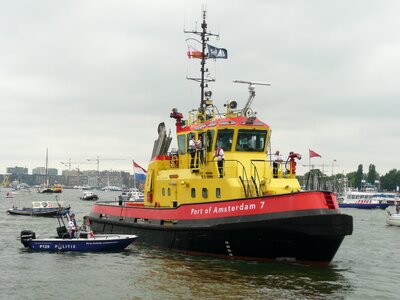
(304, 226)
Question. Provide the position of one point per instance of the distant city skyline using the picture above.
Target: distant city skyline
(73, 178)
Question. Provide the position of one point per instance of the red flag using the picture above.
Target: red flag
(194, 53)
(313, 154)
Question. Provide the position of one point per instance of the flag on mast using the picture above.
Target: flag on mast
(194, 53)
(313, 153)
(138, 172)
(214, 52)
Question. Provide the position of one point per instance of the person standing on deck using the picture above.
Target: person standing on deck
(192, 151)
(276, 164)
(219, 153)
(199, 151)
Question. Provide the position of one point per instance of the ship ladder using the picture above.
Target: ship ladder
(329, 200)
(244, 186)
(250, 189)
(206, 173)
(255, 186)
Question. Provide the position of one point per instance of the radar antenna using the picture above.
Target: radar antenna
(247, 111)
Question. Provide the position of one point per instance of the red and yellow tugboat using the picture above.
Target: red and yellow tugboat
(221, 194)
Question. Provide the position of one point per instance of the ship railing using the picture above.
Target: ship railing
(231, 169)
(252, 185)
(258, 169)
(265, 169)
(184, 161)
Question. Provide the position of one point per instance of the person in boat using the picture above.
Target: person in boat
(277, 162)
(219, 154)
(192, 151)
(72, 226)
(199, 151)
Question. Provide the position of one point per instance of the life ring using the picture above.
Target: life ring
(175, 161)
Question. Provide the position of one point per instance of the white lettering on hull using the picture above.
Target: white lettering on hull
(228, 208)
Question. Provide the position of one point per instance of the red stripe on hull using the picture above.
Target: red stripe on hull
(223, 209)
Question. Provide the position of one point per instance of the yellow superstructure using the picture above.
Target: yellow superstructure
(179, 176)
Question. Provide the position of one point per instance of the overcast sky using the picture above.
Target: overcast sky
(95, 78)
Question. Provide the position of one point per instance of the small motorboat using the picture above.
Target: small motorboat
(89, 195)
(132, 194)
(85, 241)
(57, 188)
(41, 209)
(393, 219)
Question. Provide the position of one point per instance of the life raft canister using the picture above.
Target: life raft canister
(150, 197)
(174, 161)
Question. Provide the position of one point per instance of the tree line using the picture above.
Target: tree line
(315, 180)
(388, 182)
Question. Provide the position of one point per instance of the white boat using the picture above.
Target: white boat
(111, 188)
(89, 195)
(393, 218)
(387, 197)
(132, 194)
(364, 200)
(82, 187)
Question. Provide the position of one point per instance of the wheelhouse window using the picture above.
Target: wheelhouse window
(224, 139)
(251, 140)
(181, 144)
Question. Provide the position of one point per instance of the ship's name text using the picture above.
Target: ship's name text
(225, 209)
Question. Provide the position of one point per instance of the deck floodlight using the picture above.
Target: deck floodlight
(233, 104)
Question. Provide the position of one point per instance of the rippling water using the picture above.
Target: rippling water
(365, 267)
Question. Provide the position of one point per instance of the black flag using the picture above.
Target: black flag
(214, 52)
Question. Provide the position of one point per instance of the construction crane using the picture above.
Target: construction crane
(97, 160)
(69, 163)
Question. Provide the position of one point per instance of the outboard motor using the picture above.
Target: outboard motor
(27, 235)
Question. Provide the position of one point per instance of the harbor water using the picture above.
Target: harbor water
(365, 267)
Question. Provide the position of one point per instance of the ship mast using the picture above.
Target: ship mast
(204, 39)
(47, 167)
